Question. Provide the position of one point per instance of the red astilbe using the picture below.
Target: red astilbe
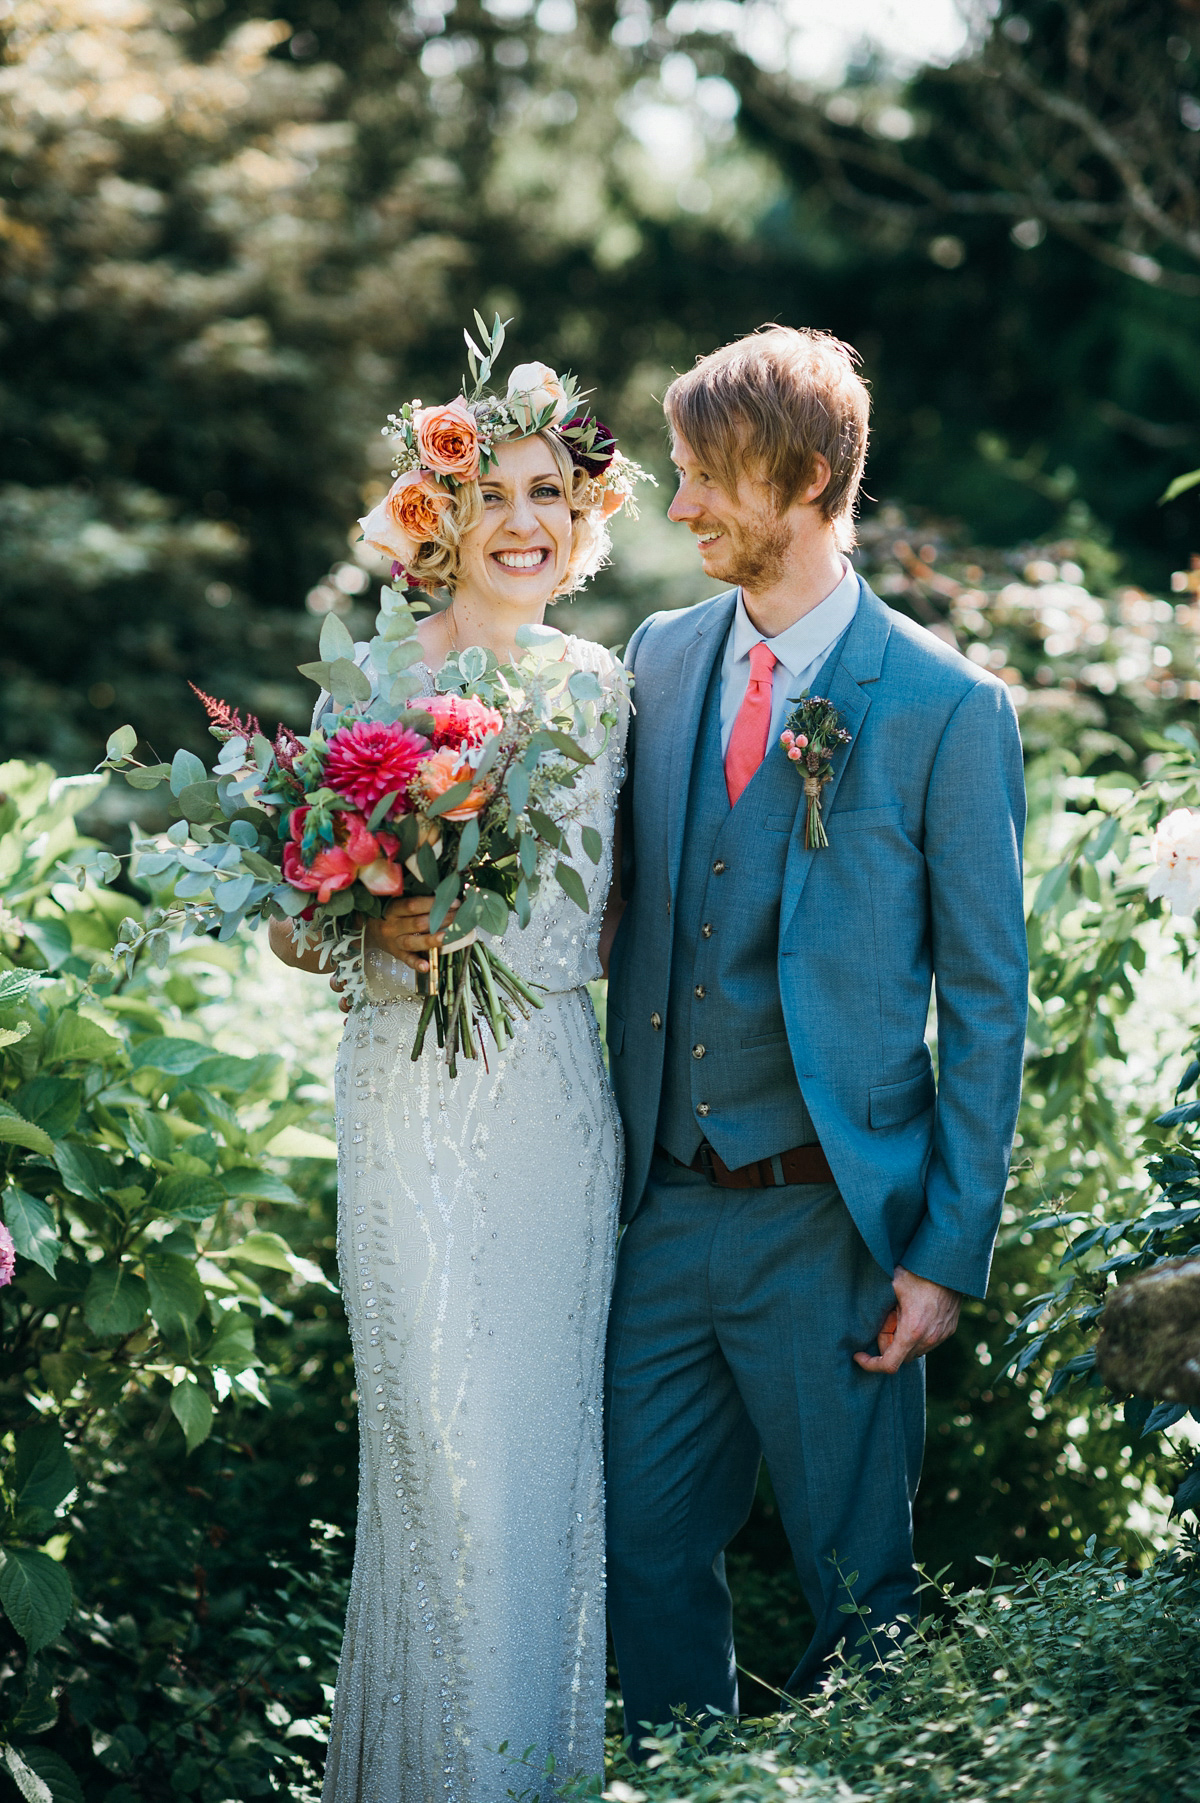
(226, 720)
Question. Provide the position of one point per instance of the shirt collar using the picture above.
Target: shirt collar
(809, 637)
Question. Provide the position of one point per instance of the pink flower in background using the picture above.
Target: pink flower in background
(8, 1256)
(460, 720)
(369, 760)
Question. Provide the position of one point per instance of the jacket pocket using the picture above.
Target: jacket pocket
(759, 1040)
(781, 823)
(864, 820)
(615, 1033)
(891, 1104)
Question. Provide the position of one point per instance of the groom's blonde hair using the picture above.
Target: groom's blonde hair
(771, 403)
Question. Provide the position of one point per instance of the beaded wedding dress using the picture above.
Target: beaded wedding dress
(477, 1222)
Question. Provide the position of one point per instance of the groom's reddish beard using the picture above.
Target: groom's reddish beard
(753, 552)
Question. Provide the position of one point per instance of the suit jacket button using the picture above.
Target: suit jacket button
(702, 1108)
(706, 930)
(700, 992)
(697, 1051)
(656, 1021)
(719, 867)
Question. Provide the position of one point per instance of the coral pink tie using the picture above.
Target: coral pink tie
(748, 740)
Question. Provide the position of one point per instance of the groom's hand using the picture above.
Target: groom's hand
(925, 1314)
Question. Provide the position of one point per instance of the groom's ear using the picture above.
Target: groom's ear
(818, 481)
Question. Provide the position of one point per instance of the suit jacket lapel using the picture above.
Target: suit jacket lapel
(846, 684)
(695, 669)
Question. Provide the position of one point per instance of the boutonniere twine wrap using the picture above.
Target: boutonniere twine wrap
(810, 738)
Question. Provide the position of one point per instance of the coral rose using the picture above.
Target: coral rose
(448, 440)
(461, 720)
(407, 517)
(441, 772)
(540, 387)
(357, 856)
(369, 760)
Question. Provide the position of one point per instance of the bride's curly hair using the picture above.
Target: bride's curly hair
(436, 564)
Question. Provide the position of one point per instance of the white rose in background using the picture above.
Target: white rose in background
(539, 386)
(1176, 848)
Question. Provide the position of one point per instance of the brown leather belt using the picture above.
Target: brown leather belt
(803, 1164)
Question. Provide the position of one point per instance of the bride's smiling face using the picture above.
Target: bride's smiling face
(517, 556)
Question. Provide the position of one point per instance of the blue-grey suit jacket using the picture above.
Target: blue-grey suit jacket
(919, 888)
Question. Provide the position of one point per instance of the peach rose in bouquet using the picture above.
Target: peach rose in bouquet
(448, 440)
(407, 517)
(440, 772)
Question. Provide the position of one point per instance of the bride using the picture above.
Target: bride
(477, 1220)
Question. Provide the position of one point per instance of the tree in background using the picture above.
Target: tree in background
(226, 245)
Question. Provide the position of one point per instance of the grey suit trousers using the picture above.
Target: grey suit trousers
(733, 1324)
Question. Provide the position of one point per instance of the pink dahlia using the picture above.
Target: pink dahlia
(460, 720)
(8, 1256)
(369, 760)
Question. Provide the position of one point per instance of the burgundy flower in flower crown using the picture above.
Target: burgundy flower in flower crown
(369, 760)
(596, 455)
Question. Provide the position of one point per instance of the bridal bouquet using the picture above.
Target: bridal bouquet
(464, 796)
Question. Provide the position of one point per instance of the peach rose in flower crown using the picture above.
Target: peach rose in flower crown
(407, 517)
(448, 440)
(539, 386)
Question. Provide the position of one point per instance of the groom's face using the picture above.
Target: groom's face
(742, 538)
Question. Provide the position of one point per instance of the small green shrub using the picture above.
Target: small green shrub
(142, 1196)
(1071, 1684)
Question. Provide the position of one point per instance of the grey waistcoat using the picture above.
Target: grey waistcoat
(728, 1075)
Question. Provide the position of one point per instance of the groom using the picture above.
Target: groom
(805, 1205)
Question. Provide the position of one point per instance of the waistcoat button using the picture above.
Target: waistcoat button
(697, 1051)
(656, 1020)
(719, 867)
(702, 1108)
(701, 992)
(706, 930)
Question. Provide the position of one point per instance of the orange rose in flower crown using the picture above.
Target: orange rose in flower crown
(407, 517)
(448, 440)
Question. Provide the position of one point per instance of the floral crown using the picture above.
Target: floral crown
(438, 449)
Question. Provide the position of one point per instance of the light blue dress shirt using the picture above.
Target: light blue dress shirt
(801, 650)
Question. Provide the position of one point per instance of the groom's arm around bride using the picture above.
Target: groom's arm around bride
(794, 1175)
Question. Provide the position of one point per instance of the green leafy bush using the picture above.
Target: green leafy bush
(1069, 1683)
(140, 1191)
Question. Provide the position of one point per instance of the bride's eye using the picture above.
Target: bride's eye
(547, 491)
(492, 497)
